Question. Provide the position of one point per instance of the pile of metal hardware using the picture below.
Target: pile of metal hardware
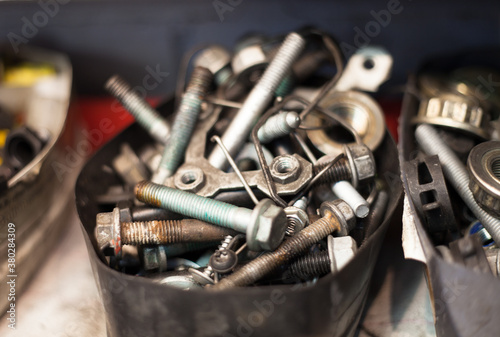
(454, 180)
(264, 173)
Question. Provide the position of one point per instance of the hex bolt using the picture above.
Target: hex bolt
(337, 216)
(264, 226)
(278, 125)
(457, 174)
(340, 251)
(258, 99)
(110, 231)
(144, 114)
(184, 123)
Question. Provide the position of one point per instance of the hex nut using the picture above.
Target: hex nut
(214, 58)
(191, 179)
(343, 212)
(297, 219)
(267, 226)
(154, 258)
(361, 161)
(285, 169)
(248, 61)
(484, 170)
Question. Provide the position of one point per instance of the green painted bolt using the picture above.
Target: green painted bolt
(144, 114)
(184, 123)
(264, 226)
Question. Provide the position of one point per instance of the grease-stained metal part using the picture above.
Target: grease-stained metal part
(278, 125)
(154, 259)
(236, 169)
(144, 114)
(264, 225)
(160, 232)
(484, 169)
(184, 123)
(258, 99)
(457, 175)
(333, 220)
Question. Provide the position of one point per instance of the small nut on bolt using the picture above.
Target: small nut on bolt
(343, 212)
(297, 219)
(361, 161)
(484, 168)
(285, 169)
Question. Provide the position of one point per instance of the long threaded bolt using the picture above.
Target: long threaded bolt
(258, 99)
(331, 221)
(184, 123)
(144, 114)
(278, 126)
(311, 265)
(160, 232)
(341, 170)
(264, 225)
(457, 174)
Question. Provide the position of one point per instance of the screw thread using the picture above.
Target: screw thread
(151, 232)
(285, 87)
(144, 114)
(457, 174)
(341, 170)
(287, 251)
(311, 265)
(185, 120)
(188, 204)
(288, 52)
(278, 125)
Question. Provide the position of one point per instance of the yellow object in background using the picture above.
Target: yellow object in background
(26, 74)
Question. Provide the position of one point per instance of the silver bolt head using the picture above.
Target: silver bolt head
(298, 217)
(362, 162)
(214, 58)
(340, 250)
(107, 230)
(285, 169)
(267, 226)
(343, 212)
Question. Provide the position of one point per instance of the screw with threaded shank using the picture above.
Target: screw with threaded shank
(429, 140)
(311, 265)
(278, 125)
(336, 217)
(264, 225)
(144, 114)
(184, 123)
(258, 99)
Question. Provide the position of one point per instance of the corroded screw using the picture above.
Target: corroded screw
(264, 225)
(258, 99)
(278, 125)
(184, 123)
(337, 216)
(110, 231)
(145, 115)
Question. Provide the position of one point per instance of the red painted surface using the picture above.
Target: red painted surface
(104, 117)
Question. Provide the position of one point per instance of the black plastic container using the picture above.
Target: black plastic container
(135, 306)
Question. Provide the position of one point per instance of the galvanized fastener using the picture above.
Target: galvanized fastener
(258, 99)
(264, 226)
(336, 217)
(278, 125)
(184, 123)
(145, 115)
